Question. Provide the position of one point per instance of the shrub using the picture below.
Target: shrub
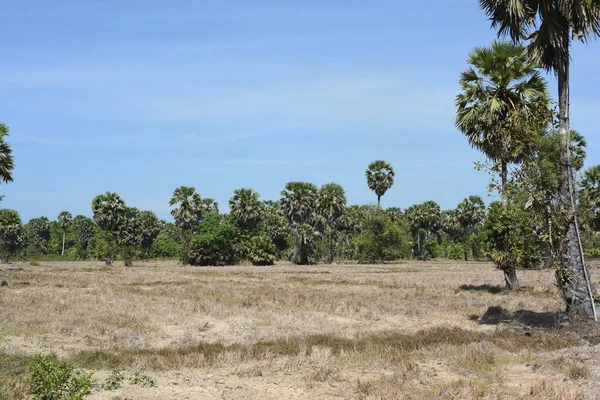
(113, 382)
(164, 246)
(455, 251)
(381, 239)
(261, 250)
(214, 243)
(54, 379)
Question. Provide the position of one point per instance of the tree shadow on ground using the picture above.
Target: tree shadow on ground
(497, 315)
(493, 289)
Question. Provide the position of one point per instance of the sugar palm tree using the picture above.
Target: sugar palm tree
(245, 208)
(187, 213)
(331, 203)
(548, 26)
(380, 177)
(109, 212)
(298, 204)
(470, 213)
(504, 105)
(64, 220)
(7, 163)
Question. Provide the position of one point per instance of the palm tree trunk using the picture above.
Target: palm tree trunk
(465, 247)
(296, 254)
(63, 246)
(379, 201)
(510, 271)
(573, 277)
(330, 258)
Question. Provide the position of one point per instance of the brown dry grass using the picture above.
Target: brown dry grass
(412, 330)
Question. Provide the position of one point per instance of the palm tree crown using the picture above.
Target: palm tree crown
(109, 210)
(380, 177)
(245, 208)
(7, 163)
(189, 207)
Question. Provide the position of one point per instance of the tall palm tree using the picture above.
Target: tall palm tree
(109, 213)
(298, 204)
(245, 208)
(423, 217)
(149, 230)
(504, 105)
(380, 177)
(187, 213)
(64, 220)
(331, 203)
(548, 26)
(7, 162)
(471, 213)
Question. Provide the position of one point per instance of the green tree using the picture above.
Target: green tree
(65, 219)
(85, 229)
(213, 243)
(129, 234)
(13, 238)
(149, 230)
(275, 226)
(109, 212)
(331, 202)
(503, 110)
(380, 178)
(380, 238)
(245, 208)
(39, 233)
(424, 220)
(7, 162)
(187, 214)
(548, 26)
(471, 214)
(590, 196)
(298, 204)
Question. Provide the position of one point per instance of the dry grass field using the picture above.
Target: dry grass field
(414, 330)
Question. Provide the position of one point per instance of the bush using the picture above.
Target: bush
(214, 243)
(455, 251)
(164, 246)
(261, 250)
(53, 379)
(381, 239)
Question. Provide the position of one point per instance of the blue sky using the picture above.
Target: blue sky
(140, 97)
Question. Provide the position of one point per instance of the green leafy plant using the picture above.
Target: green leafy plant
(142, 380)
(113, 382)
(261, 250)
(55, 379)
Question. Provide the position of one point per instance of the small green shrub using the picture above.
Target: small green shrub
(142, 380)
(54, 379)
(113, 382)
(455, 251)
(214, 242)
(261, 250)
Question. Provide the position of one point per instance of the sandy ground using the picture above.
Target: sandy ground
(154, 316)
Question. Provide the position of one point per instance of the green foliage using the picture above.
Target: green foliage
(214, 242)
(149, 230)
(455, 251)
(275, 226)
(380, 177)
(246, 209)
(142, 380)
(298, 204)
(113, 381)
(54, 379)
(164, 246)
(38, 230)
(261, 250)
(129, 234)
(509, 237)
(85, 230)
(7, 162)
(381, 239)
(13, 238)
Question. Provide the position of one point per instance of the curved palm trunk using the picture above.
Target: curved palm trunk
(63, 246)
(510, 271)
(573, 277)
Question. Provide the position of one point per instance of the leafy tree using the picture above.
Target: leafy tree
(13, 238)
(275, 226)
(590, 196)
(298, 204)
(213, 243)
(504, 105)
(39, 233)
(189, 211)
(129, 234)
(471, 214)
(395, 213)
(246, 209)
(7, 162)
(380, 178)
(261, 250)
(424, 220)
(331, 203)
(64, 219)
(165, 246)
(380, 239)
(548, 27)
(149, 230)
(85, 229)
(109, 213)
